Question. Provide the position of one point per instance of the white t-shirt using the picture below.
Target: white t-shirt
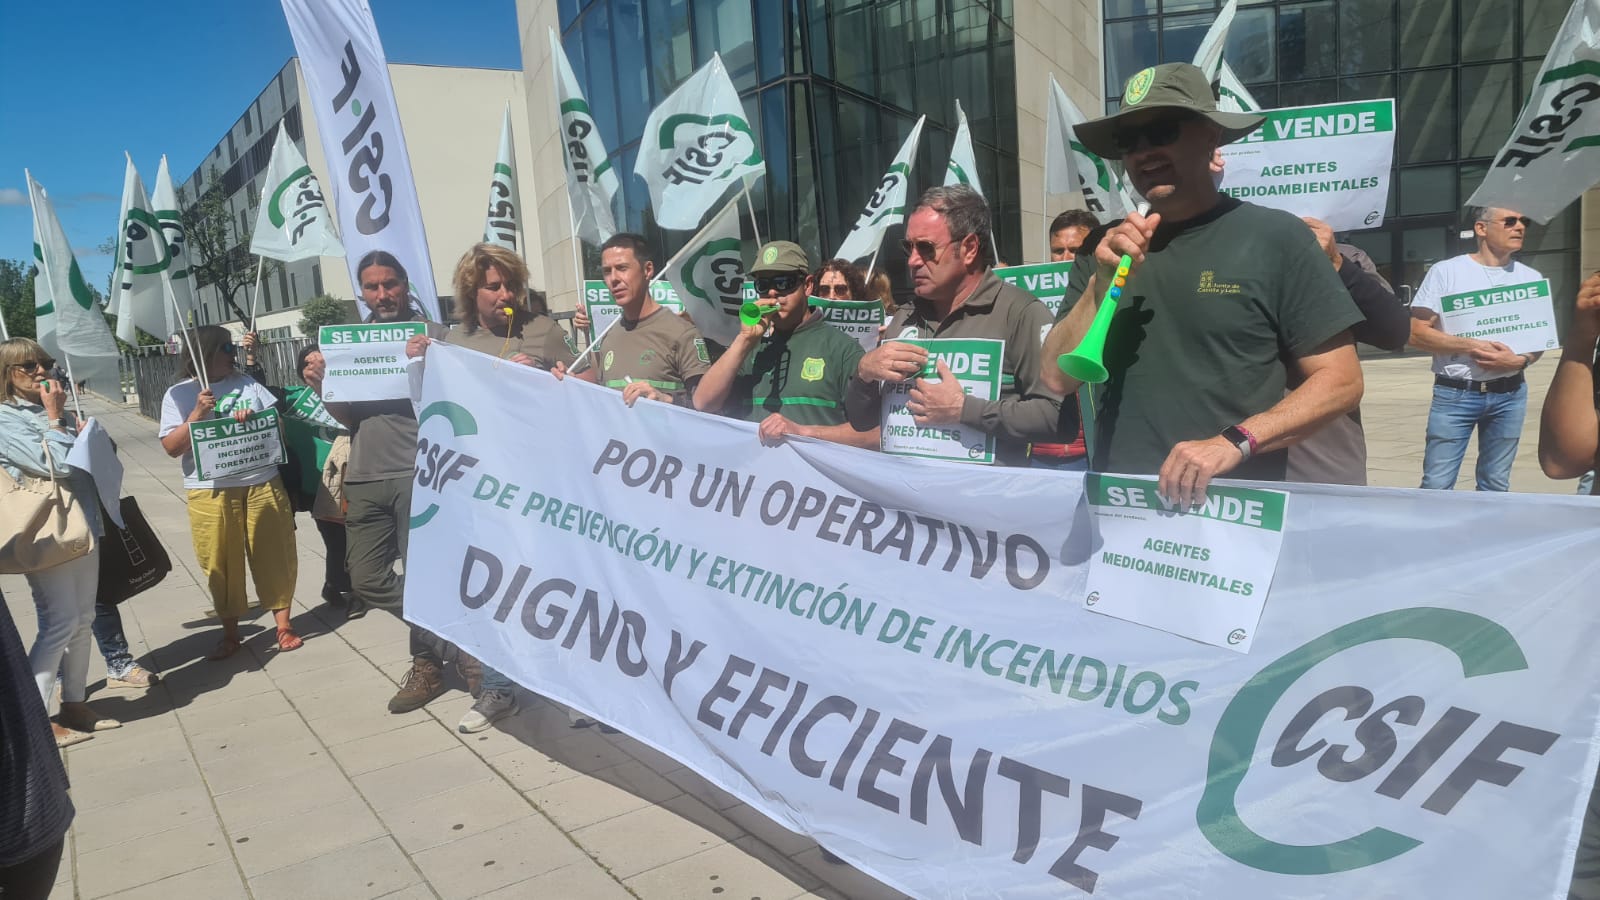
(237, 391)
(1457, 275)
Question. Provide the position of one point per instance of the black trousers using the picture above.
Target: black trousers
(32, 878)
(334, 573)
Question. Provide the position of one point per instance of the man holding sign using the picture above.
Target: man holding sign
(995, 406)
(1485, 318)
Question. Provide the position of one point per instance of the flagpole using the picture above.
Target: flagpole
(872, 266)
(183, 330)
(255, 295)
(72, 386)
(751, 207)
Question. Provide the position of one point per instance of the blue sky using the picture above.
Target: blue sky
(84, 82)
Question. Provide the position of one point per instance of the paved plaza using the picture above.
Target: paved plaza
(283, 776)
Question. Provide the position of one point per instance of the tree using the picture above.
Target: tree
(325, 310)
(219, 249)
(16, 296)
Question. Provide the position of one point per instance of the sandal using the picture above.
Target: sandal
(66, 737)
(82, 717)
(288, 640)
(224, 649)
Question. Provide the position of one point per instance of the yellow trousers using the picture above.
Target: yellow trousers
(230, 525)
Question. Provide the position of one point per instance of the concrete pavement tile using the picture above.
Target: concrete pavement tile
(132, 746)
(91, 792)
(193, 688)
(418, 891)
(217, 881)
(260, 765)
(760, 828)
(356, 696)
(304, 684)
(529, 770)
(304, 793)
(142, 818)
(320, 651)
(640, 840)
(587, 750)
(636, 778)
(505, 855)
(408, 782)
(697, 786)
(730, 867)
(284, 842)
(131, 863)
(353, 726)
(367, 870)
(582, 801)
(423, 738)
(394, 657)
(581, 879)
(373, 630)
(456, 814)
(231, 740)
(844, 879)
(227, 715)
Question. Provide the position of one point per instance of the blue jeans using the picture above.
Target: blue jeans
(494, 681)
(107, 628)
(1453, 415)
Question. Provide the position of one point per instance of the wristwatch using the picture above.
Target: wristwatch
(1241, 439)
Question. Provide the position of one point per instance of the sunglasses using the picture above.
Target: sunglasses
(783, 284)
(926, 250)
(833, 290)
(1160, 132)
(1511, 221)
(36, 365)
(228, 348)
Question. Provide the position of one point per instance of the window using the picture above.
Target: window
(724, 26)
(1366, 35)
(633, 86)
(894, 36)
(1425, 108)
(1488, 28)
(1541, 19)
(769, 41)
(1251, 45)
(1428, 190)
(671, 53)
(1305, 41)
(316, 279)
(1308, 93)
(851, 25)
(1131, 46)
(1489, 105)
(1181, 36)
(1427, 33)
(600, 88)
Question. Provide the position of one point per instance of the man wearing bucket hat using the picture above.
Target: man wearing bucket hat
(1225, 302)
(788, 369)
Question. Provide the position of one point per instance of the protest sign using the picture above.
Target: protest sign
(1330, 162)
(1047, 281)
(976, 364)
(861, 319)
(366, 362)
(1201, 573)
(891, 656)
(225, 446)
(308, 408)
(1517, 315)
(603, 310)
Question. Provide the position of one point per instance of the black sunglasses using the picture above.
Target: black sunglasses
(36, 365)
(1160, 132)
(925, 250)
(1511, 221)
(228, 348)
(783, 284)
(833, 290)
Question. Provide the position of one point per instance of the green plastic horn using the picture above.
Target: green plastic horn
(751, 312)
(1086, 361)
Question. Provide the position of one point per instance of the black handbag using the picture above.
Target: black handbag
(132, 559)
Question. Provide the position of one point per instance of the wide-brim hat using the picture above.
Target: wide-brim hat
(780, 258)
(1176, 86)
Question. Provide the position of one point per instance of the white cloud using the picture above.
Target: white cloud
(13, 197)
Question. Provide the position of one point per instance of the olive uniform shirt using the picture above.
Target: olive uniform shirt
(661, 348)
(539, 337)
(802, 374)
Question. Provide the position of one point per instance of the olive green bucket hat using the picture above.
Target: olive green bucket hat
(1179, 86)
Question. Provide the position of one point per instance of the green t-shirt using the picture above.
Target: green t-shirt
(802, 374)
(661, 348)
(1204, 330)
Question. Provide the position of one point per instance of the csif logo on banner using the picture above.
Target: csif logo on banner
(1102, 177)
(370, 154)
(1481, 647)
(438, 465)
(502, 208)
(891, 185)
(579, 124)
(715, 275)
(708, 147)
(299, 197)
(144, 246)
(1564, 108)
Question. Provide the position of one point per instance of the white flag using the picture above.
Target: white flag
(1069, 166)
(500, 226)
(887, 205)
(1208, 56)
(139, 297)
(347, 81)
(1553, 155)
(963, 166)
(177, 275)
(709, 276)
(696, 144)
(591, 180)
(79, 326)
(1232, 96)
(294, 221)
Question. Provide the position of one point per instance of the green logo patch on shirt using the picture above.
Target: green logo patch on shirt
(812, 369)
(610, 357)
(700, 350)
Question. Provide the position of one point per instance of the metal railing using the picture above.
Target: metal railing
(154, 372)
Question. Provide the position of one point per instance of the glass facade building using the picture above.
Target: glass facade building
(832, 88)
(1458, 70)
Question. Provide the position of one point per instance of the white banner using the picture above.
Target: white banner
(976, 364)
(1069, 166)
(887, 205)
(366, 362)
(963, 165)
(178, 281)
(1520, 316)
(891, 656)
(224, 446)
(696, 145)
(294, 221)
(139, 298)
(347, 84)
(708, 276)
(591, 180)
(1330, 162)
(1233, 96)
(1553, 154)
(76, 327)
(501, 224)
(861, 319)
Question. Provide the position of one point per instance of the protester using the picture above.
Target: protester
(122, 670)
(35, 810)
(377, 485)
(1226, 300)
(36, 434)
(493, 307)
(235, 517)
(837, 279)
(310, 435)
(1338, 453)
(1476, 383)
(789, 371)
(958, 296)
(649, 352)
(1067, 232)
(1569, 426)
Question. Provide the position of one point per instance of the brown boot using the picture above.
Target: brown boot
(471, 671)
(424, 682)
